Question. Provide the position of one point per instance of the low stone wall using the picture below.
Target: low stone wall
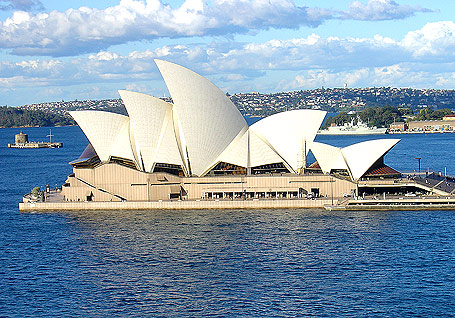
(407, 204)
(176, 205)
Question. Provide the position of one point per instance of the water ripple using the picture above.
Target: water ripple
(283, 263)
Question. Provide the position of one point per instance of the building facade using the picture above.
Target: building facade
(432, 126)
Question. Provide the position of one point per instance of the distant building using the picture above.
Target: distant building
(398, 126)
(432, 126)
(449, 117)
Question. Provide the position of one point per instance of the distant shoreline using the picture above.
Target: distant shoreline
(37, 126)
(419, 132)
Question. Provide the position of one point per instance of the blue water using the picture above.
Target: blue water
(224, 263)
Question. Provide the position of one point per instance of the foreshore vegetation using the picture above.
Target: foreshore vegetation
(17, 117)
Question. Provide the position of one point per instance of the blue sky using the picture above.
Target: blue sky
(66, 50)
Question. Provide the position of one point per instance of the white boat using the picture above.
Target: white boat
(350, 129)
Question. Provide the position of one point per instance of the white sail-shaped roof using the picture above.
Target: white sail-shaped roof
(288, 131)
(181, 143)
(260, 152)
(168, 151)
(237, 152)
(107, 132)
(361, 156)
(209, 120)
(122, 146)
(328, 157)
(152, 123)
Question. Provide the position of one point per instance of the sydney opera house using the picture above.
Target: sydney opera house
(199, 147)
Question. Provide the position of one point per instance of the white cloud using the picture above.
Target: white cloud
(423, 58)
(398, 75)
(433, 40)
(88, 30)
(137, 88)
(104, 56)
(53, 91)
(376, 10)
(23, 5)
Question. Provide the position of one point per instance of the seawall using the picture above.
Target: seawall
(175, 205)
(419, 203)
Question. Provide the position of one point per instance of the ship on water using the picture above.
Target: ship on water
(360, 128)
(21, 141)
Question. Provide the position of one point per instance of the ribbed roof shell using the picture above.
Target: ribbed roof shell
(237, 151)
(152, 123)
(107, 132)
(260, 152)
(287, 131)
(328, 157)
(209, 120)
(361, 156)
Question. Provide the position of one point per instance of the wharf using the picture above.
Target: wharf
(408, 132)
(399, 203)
(175, 205)
(349, 205)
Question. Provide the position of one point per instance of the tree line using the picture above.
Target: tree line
(15, 117)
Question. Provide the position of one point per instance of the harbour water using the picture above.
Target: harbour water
(221, 262)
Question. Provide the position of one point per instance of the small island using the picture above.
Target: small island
(21, 141)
